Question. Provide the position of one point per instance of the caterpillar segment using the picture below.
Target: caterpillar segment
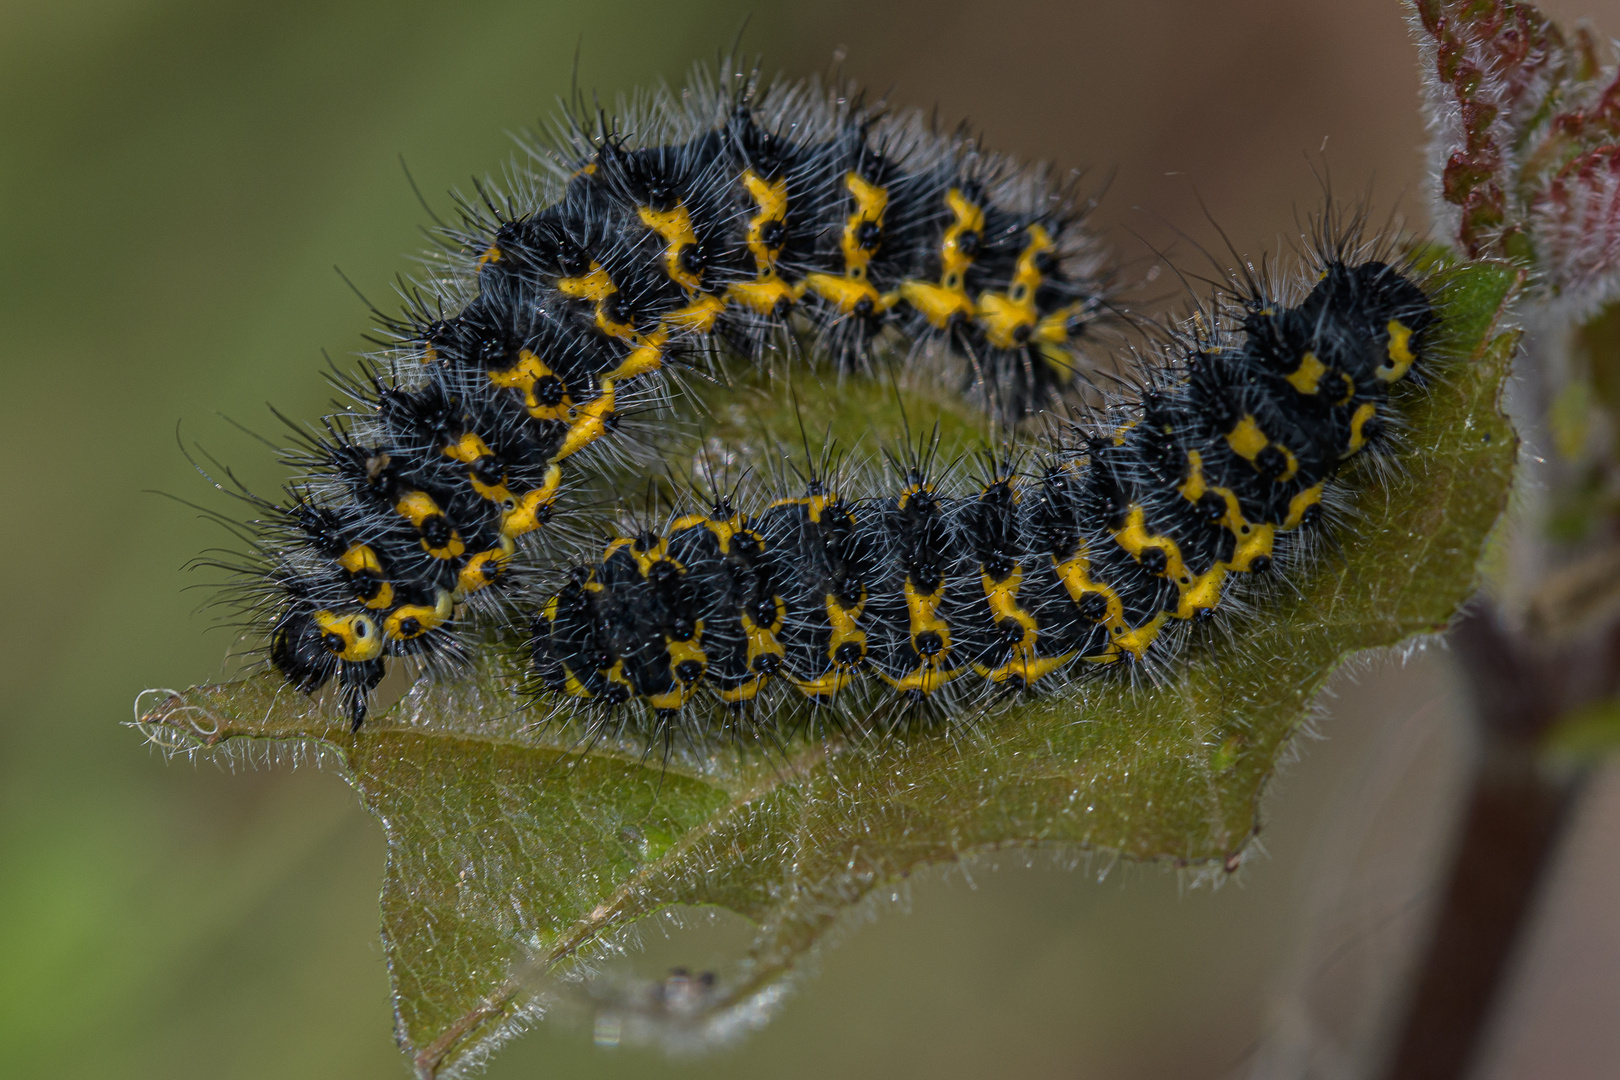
(424, 504)
(1101, 555)
(776, 210)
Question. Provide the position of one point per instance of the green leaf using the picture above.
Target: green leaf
(518, 858)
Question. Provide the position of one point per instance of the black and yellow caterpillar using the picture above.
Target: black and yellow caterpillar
(729, 217)
(1094, 556)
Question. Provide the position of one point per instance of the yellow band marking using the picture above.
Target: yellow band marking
(1193, 488)
(587, 423)
(727, 530)
(931, 672)
(844, 632)
(413, 620)
(418, 507)
(647, 355)
(698, 317)
(533, 509)
(523, 377)
(1022, 664)
(1254, 544)
(575, 686)
(910, 491)
(742, 692)
(1253, 540)
(1201, 593)
(816, 505)
(1137, 641)
(925, 680)
(724, 529)
(940, 303)
(469, 450)
(871, 200)
(848, 290)
(1002, 599)
(572, 685)
(484, 568)
(647, 350)
(1247, 441)
(1051, 338)
(616, 675)
(361, 559)
(596, 286)
(681, 652)
(767, 294)
(1075, 573)
(825, 684)
(350, 637)
(1196, 592)
(689, 521)
(658, 552)
(762, 642)
(491, 254)
(1136, 540)
(1358, 438)
(1299, 504)
(1291, 469)
(1054, 330)
(769, 297)
(1009, 318)
(771, 196)
(762, 639)
(1026, 667)
(847, 294)
(1399, 351)
(1308, 375)
(675, 227)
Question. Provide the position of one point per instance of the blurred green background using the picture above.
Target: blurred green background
(177, 180)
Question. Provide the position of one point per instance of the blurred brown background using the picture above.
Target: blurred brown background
(176, 181)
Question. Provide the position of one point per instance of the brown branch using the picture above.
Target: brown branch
(1513, 817)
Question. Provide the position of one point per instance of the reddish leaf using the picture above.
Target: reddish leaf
(1526, 123)
(1576, 220)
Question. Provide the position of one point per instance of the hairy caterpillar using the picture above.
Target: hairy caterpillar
(733, 216)
(1118, 534)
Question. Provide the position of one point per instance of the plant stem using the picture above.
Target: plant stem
(1513, 817)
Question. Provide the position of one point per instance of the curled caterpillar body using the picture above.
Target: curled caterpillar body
(725, 218)
(1092, 559)
(733, 213)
